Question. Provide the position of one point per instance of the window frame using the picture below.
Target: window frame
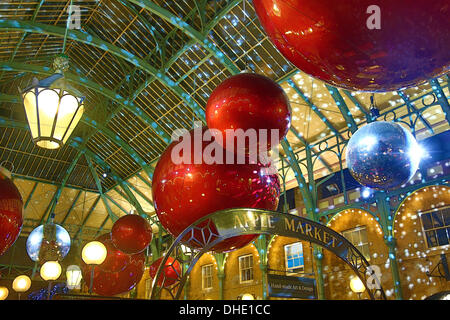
(424, 232)
(357, 246)
(240, 259)
(210, 276)
(290, 271)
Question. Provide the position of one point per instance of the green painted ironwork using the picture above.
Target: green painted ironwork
(198, 36)
(314, 108)
(411, 106)
(343, 108)
(72, 206)
(440, 96)
(88, 215)
(75, 35)
(30, 195)
(94, 174)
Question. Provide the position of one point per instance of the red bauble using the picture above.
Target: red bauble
(331, 40)
(131, 234)
(184, 193)
(11, 208)
(249, 101)
(113, 283)
(170, 272)
(116, 260)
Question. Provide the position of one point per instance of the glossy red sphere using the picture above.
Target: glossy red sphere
(131, 234)
(170, 273)
(340, 43)
(186, 192)
(11, 209)
(116, 260)
(114, 283)
(249, 101)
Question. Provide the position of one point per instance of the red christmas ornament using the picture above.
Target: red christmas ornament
(116, 260)
(11, 209)
(131, 234)
(170, 272)
(186, 192)
(358, 46)
(249, 101)
(114, 283)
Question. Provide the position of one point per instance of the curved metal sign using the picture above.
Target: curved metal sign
(221, 225)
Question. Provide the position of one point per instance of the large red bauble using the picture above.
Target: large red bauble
(331, 40)
(11, 209)
(186, 192)
(249, 101)
(116, 260)
(170, 272)
(113, 283)
(131, 234)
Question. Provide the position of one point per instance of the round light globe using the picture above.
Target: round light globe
(94, 253)
(21, 283)
(3, 293)
(51, 270)
(357, 285)
(247, 296)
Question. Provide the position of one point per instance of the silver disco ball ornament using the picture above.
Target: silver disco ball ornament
(383, 155)
(48, 242)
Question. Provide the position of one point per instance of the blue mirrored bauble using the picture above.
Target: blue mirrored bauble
(48, 242)
(383, 155)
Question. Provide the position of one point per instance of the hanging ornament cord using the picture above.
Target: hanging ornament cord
(69, 20)
(375, 113)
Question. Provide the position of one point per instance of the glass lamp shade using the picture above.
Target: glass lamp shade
(73, 275)
(247, 296)
(357, 285)
(186, 250)
(51, 270)
(21, 283)
(94, 253)
(52, 112)
(4, 293)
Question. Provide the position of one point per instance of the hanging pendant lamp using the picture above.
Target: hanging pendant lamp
(53, 108)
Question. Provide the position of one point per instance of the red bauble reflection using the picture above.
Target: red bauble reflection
(131, 234)
(249, 101)
(170, 273)
(11, 208)
(116, 260)
(113, 283)
(331, 40)
(184, 193)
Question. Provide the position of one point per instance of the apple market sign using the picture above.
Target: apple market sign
(218, 226)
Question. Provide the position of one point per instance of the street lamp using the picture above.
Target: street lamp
(247, 296)
(3, 293)
(73, 275)
(93, 253)
(357, 286)
(52, 107)
(50, 271)
(21, 284)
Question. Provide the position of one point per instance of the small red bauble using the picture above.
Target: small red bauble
(367, 45)
(249, 101)
(114, 283)
(11, 209)
(170, 273)
(116, 260)
(131, 234)
(186, 192)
